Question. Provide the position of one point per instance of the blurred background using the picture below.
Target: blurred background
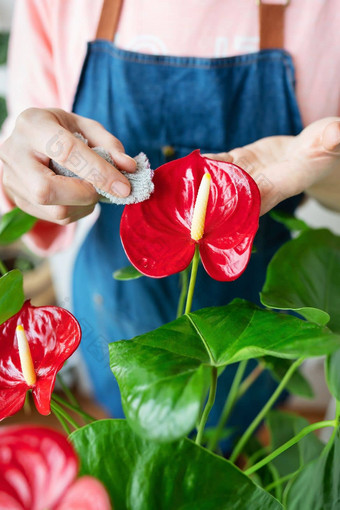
(48, 281)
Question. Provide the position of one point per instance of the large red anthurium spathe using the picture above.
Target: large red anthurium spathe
(157, 234)
(38, 469)
(35, 343)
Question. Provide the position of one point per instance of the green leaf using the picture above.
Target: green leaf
(304, 275)
(127, 273)
(283, 426)
(297, 384)
(333, 374)
(14, 224)
(317, 486)
(141, 475)
(3, 110)
(163, 374)
(11, 294)
(4, 37)
(289, 220)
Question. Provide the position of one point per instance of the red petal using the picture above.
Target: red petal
(37, 465)
(86, 493)
(156, 233)
(53, 335)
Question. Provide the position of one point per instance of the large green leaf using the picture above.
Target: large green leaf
(333, 374)
(297, 384)
(163, 374)
(304, 275)
(317, 486)
(143, 475)
(11, 294)
(14, 224)
(283, 426)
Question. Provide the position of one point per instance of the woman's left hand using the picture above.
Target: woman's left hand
(284, 166)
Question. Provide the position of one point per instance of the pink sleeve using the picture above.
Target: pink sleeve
(32, 83)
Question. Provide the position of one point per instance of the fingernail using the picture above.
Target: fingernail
(121, 189)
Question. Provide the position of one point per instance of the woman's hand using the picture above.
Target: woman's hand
(284, 166)
(43, 134)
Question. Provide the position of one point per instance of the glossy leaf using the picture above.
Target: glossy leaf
(127, 273)
(333, 374)
(143, 475)
(304, 275)
(53, 334)
(156, 233)
(317, 486)
(11, 294)
(290, 221)
(163, 374)
(297, 384)
(282, 427)
(14, 224)
(37, 470)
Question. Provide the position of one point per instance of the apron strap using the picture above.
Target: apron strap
(271, 18)
(109, 19)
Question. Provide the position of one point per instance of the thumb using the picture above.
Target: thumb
(331, 137)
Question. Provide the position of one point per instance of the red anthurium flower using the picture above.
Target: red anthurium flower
(35, 343)
(159, 235)
(38, 467)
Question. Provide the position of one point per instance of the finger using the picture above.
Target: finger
(220, 156)
(97, 135)
(331, 138)
(44, 187)
(59, 144)
(61, 215)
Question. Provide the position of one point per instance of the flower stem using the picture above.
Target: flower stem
(250, 380)
(67, 391)
(76, 408)
(184, 290)
(280, 481)
(208, 406)
(228, 406)
(257, 420)
(61, 421)
(3, 268)
(64, 414)
(304, 432)
(194, 267)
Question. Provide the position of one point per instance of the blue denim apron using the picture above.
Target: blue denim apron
(149, 102)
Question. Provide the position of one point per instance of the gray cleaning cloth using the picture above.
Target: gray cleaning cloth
(141, 180)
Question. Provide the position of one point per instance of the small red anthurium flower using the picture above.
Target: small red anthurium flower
(38, 469)
(197, 201)
(35, 343)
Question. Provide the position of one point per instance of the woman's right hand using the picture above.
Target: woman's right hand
(43, 134)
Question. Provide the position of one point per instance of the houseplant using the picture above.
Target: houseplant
(168, 377)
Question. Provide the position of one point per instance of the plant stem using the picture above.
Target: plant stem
(257, 420)
(3, 268)
(208, 406)
(61, 421)
(304, 432)
(194, 267)
(280, 481)
(76, 409)
(64, 414)
(228, 406)
(334, 433)
(184, 283)
(250, 380)
(67, 391)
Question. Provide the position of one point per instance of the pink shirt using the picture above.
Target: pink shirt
(48, 46)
